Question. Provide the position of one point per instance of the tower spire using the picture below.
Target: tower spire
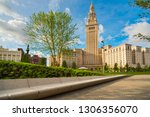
(91, 8)
(92, 16)
(27, 49)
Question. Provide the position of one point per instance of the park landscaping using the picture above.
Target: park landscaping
(20, 70)
(16, 70)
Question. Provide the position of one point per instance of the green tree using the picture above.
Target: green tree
(106, 68)
(138, 67)
(146, 68)
(116, 67)
(51, 33)
(144, 4)
(64, 64)
(43, 61)
(74, 66)
(127, 67)
(26, 58)
(121, 69)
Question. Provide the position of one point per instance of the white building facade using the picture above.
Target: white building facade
(126, 54)
(10, 55)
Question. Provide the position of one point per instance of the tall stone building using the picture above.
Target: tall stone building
(93, 57)
(92, 38)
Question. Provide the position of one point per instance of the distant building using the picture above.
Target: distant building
(93, 57)
(126, 53)
(10, 55)
(35, 59)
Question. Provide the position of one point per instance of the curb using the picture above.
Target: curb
(40, 92)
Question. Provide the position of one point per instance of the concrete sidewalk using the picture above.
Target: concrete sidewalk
(47, 90)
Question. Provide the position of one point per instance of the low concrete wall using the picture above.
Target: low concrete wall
(32, 82)
(42, 88)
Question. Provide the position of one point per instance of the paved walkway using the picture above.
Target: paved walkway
(132, 88)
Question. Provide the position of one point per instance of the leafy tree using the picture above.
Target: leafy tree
(51, 33)
(106, 68)
(121, 69)
(141, 36)
(146, 68)
(25, 58)
(64, 64)
(144, 4)
(138, 67)
(43, 61)
(116, 67)
(74, 66)
(127, 67)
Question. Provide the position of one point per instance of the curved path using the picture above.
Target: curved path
(131, 88)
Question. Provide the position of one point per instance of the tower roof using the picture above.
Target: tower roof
(91, 8)
(92, 16)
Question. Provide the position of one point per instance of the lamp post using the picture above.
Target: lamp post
(103, 51)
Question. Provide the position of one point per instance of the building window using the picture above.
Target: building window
(128, 47)
(143, 57)
(91, 28)
(133, 57)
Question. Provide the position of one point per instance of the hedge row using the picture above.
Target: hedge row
(13, 70)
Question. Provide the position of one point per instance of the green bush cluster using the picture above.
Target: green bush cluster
(13, 70)
(127, 68)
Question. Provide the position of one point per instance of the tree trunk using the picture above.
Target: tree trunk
(54, 62)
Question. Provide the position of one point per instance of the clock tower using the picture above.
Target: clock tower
(92, 38)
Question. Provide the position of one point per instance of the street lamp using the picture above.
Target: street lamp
(103, 61)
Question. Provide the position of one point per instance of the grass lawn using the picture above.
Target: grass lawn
(127, 73)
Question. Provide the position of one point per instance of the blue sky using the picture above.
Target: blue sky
(118, 21)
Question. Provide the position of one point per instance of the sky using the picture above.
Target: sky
(118, 21)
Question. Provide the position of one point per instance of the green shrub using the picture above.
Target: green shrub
(14, 70)
(64, 64)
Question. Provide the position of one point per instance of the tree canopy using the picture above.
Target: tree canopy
(51, 33)
(145, 4)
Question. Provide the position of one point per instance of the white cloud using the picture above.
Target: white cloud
(12, 31)
(5, 9)
(101, 30)
(67, 10)
(142, 27)
(81, 26)
(109, 37)
(112, 38)
(80, 42)
(85, 20)
(17, 23)
(144, 19)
